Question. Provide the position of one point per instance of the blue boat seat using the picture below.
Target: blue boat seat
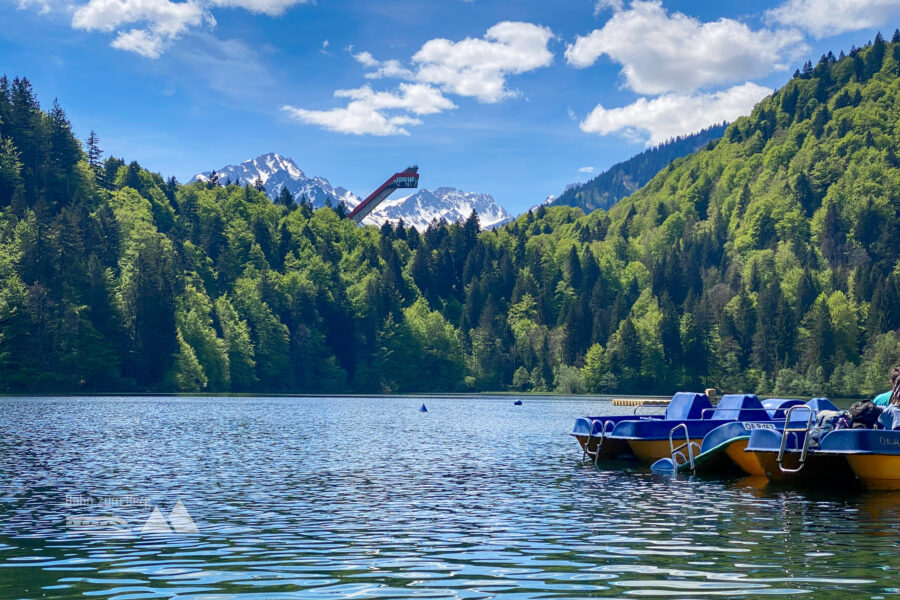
(687, 405)
(740, 407)
(778, 407)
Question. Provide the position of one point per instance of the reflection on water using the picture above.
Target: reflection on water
(369, 498)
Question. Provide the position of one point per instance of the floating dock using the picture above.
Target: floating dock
(639, 401)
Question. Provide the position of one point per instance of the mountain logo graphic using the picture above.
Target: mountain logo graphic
(179, 519)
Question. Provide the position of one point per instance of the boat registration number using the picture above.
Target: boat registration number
(749, 426)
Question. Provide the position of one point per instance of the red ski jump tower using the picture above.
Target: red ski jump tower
(409, 178)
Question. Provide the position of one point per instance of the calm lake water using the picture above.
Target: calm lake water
(326, 498)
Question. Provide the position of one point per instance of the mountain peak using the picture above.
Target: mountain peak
(418, 209)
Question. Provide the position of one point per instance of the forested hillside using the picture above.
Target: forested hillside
(768, 263)
(626, 177)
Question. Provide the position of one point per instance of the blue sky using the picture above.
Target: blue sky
(512, 99)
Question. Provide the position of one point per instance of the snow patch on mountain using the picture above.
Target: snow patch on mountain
(275, 172)
(444, 203)
(418, 209)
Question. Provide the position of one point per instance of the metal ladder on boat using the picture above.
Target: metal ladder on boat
(687, 445)
(788, 430)
(595, 454)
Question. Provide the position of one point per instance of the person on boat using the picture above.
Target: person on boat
(884, 399)
(890, 416)
(711, 394)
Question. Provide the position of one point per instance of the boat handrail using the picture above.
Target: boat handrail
(794, 431)
(640, 406)
(687, 445)
(595, 454)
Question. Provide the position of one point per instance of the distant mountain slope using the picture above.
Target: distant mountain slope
(626, 177)
(275, 172)
(444, 203)
(419, 209)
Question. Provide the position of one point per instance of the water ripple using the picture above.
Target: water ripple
(326, 498)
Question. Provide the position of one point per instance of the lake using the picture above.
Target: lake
(326, 498)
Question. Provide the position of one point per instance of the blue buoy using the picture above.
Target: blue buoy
(517, 403)
(423, 409)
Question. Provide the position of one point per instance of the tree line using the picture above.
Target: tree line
(767, 262)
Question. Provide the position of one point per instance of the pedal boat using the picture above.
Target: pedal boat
(722, 449)
(593, 433)
(692, 418)
(786, 456)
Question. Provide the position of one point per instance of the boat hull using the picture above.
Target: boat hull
(610, 450)
(873, 455)
(879, 472)
(651, 451)
(747, 461)
(818, 468)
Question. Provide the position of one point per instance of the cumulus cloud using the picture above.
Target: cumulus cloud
(391, 68)
(659, 119)
(479, 67)
(661, 52)
(159, 21)
(823, 18)
(139, 41)
(273, 8)
(43, 6)
(376, 113)
(473, 67)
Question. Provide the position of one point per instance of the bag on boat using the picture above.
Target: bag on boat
(845, 421)
(826, 421)
(864, 414)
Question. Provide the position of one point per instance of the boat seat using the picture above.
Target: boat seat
(686, 406)
(740, 407)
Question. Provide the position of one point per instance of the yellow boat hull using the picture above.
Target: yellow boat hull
(819, 467)
(747, 461)
(877, 471)
(651, 451)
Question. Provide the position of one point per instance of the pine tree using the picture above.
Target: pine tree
(285, 198)
(94, 153)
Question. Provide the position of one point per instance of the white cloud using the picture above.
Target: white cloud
(161, 21)
(661, 52)
(367, 112)
(479, 67)
(164, 18)
(586, 170)
(667, 116)
(273, 8)
(391, 68)
(42, 5)
(823, 18)
(601, 6)
(364, 58)
(139, 41)
(470, 67)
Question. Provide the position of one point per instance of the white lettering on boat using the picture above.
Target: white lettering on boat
(749, 426)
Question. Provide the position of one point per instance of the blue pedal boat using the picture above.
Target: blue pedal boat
(593, 433)
(690, 422)
(722, 449)
(793, 455)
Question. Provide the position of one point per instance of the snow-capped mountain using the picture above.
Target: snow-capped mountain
(419, 209)
(447, 203)
(276, 172)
